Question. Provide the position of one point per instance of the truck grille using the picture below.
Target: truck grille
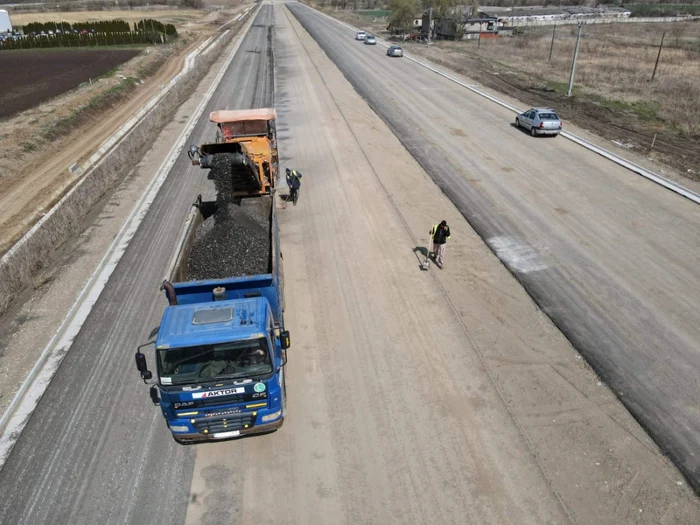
(233, 422)
(218, 401)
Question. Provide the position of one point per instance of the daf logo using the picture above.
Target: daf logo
(184, 404)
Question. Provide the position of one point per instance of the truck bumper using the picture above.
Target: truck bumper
(189, 439)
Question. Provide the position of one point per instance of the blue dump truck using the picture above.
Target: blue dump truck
(221, 346)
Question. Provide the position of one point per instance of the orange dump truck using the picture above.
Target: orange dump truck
(244, 159)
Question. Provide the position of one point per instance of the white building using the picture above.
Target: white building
(542, 15)
(5, 23)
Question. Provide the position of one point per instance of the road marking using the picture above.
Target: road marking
(516, 255)
(621, 161)
(37, 381)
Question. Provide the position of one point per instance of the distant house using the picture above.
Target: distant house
(415, 26)
(486, 24)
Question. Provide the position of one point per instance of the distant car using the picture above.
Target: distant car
(370, 40)
(540, 121)
(361, 35)
(394, 51)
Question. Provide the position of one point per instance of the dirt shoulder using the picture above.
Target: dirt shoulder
(41, 143)
(613, 98)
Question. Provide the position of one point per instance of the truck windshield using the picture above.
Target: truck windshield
(197, 364)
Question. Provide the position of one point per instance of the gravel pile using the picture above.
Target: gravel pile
(232, 242)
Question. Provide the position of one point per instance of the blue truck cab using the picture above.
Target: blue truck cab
(220, 349)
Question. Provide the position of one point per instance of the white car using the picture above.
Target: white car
(361, 35)
(394, 51)
(540, 121)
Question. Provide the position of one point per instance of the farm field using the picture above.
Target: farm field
(33, 76)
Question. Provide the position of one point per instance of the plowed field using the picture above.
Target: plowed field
(31, 77)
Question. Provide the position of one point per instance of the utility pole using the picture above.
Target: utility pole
(551, 47)
(430, 23)
(658, 57)
(573, 64)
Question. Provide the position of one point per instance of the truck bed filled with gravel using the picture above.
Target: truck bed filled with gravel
(232, 242)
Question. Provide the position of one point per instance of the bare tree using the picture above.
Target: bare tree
(678, 30)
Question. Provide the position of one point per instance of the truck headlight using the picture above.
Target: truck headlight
(273, 416)
(179, 428)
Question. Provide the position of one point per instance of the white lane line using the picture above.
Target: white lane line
(516, 255)
(29, 394)
(621, 161)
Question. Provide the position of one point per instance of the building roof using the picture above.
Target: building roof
(212, 323)
(225, 116)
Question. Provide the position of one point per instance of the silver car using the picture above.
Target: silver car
(394, 51)
(360, 35)
(540, 121)
(370, 40)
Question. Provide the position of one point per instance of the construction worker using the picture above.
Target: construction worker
(294, 182)
(439, 234)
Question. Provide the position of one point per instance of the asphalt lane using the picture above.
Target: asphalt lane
(610, 257)
(95, 449)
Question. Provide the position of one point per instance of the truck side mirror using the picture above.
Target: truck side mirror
(142, 367)
(154, 395)
(285, 341)
(193, 153)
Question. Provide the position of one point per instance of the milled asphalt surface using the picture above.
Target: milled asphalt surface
(612, 259)
(95, 450)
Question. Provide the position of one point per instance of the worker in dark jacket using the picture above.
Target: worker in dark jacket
(294, 182)
(439, 234)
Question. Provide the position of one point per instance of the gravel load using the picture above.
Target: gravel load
(228, 169)
(234, 241)
(220, 173)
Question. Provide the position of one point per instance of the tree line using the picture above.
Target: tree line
(105, 27)
(68, 40)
